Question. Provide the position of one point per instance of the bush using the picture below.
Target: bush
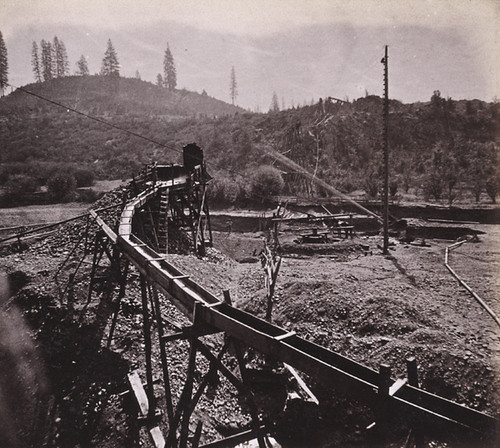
(20, 184)
(88, 195)
(371, 184)
(224, 191)
(266, 181)
(433, 186)
(393, 188)
(84, 178)
(492, 185)
(61, 187)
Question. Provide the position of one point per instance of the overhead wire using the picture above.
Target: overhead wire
(99, 120)
(119, 128)
(112, 125)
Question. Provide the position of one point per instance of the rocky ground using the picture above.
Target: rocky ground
(346, 296)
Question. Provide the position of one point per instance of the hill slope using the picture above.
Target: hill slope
(36, 135)
(436, 147)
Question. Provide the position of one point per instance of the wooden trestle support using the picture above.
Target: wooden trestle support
(184, 197)
(177, 415)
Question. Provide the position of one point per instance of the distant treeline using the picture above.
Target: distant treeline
(438, 149)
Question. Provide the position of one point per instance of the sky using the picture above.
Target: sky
(256, 17)
(469, 28)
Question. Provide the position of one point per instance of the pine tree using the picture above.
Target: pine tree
(110, 65)
(169, 72)
(83, 68)
(47, 61)
(56, 47)
(62, 59)
(137, 75)
(35, 63)
(4, 66)
(275, 107)
(233, 91)
(159, 80)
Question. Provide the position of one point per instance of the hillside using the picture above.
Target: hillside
(38, 136)
(439, 149)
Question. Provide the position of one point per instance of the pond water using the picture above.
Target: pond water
(40, 214)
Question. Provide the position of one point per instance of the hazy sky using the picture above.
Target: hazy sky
(253, 17)
(465, 31)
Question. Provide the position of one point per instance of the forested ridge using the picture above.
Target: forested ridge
(438, 148)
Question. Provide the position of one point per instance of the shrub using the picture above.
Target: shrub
(371, 184)
(62, 187)
(84, 178)
(20, 184)
(224, 191)
(433, 186)
(88, 195)
(393, 188)
(266, 181)
(492, 185)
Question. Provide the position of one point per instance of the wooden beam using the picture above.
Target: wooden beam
(396, 386)
(302, 384)
(236, 439)
(139, 392)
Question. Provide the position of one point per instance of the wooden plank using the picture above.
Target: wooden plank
(235, 439)
(302, 384)
(143, 402)
(157, 437)
(286, 335)
(398, 384)
(212, 305)
(180, 277)
(139, 392)
(107, 230)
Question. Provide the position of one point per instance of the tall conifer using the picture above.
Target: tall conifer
(47, 60)
(233, 90)
(4, 65)
(170, 73)
(61, 58)
(83, 68)
(110, 65)
(35, 63)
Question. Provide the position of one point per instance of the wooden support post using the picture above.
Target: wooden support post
(147, 345)
(187, 394)
(73, 250)
(254, 414)
(227, 297)
(163, 357)
(206, 380)
(207, 214)
(382, 405)
(121, 294)
(416, 432)
(411, 367)
(271, 264)
(69, 286)
(151, 302)
(240, 385)
(185, 398)
(197, 434)
(153, 228)
(95, 262)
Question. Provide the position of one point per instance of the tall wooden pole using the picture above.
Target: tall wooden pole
(386, 152)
